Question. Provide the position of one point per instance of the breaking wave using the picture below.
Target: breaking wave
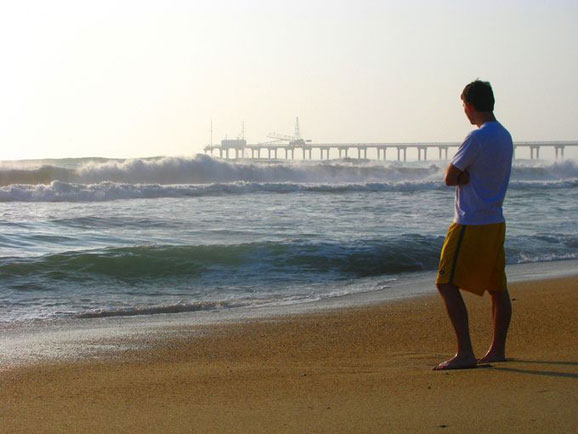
(106, 191)
(408, 252)
(206, 277)
(107, 180)
(204, 170)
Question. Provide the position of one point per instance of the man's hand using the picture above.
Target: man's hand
(463, 178)
(455, 176)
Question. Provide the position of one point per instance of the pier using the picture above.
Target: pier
(235, 149)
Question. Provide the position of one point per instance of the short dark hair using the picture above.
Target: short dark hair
(480, 95)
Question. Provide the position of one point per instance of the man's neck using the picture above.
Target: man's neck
(483, 117)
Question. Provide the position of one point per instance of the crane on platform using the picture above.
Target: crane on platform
(294, 140)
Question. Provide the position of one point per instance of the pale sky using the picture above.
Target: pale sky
(136, 78)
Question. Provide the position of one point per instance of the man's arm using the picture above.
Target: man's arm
(455, 176)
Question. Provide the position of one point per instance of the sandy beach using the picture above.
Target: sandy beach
(355, 370)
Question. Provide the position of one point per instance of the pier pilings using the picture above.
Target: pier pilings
(360, 150)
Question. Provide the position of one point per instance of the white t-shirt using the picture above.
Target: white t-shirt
(486, 154)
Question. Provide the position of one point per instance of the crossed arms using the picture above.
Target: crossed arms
(455, 176)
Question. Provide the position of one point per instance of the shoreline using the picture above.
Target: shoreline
(102, 338)
(359, 369)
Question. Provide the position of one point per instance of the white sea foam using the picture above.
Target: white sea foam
(106, 191)
(203, 169)
(58, 191)
(104, 180)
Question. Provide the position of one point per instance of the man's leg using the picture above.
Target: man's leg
(502, 313)
(458, 314)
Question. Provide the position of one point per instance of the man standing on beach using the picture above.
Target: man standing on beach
(473, 258)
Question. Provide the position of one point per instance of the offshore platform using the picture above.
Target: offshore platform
(285, 146)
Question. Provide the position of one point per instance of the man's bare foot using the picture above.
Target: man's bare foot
(493, 356)
(457, 362)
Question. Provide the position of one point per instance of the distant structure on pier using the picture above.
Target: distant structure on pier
(285, 146)
(293, 141)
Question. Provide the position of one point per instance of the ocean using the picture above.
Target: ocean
(101, 238)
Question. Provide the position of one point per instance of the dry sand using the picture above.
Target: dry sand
(357, 370)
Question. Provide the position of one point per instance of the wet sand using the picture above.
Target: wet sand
(354, 370)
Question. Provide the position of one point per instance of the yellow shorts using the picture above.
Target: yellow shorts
(473, 258)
